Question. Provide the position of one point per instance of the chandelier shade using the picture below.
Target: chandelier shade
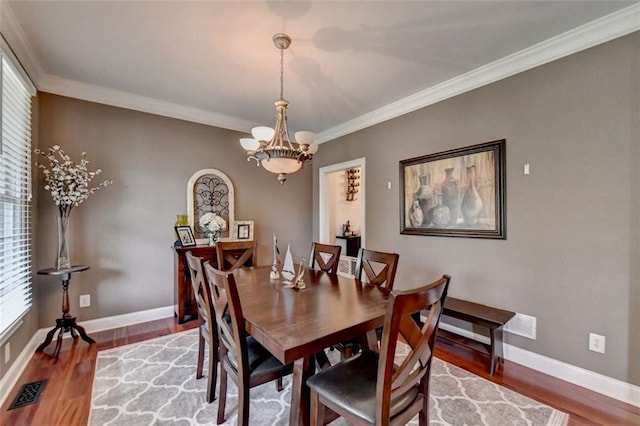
(272, 147)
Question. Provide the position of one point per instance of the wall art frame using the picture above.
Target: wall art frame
(185, 236)
(456, 193)
(210, 190)
(243, 230)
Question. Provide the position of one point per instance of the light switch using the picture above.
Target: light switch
(526, 169)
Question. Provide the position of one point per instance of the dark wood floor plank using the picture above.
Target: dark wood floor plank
(66, 399)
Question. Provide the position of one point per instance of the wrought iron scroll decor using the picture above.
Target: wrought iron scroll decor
(210, 190)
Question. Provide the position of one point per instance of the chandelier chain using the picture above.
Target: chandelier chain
(281, 73)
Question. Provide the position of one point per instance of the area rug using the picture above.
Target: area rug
(153, 383)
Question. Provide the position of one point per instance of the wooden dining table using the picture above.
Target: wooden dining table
(294, 324)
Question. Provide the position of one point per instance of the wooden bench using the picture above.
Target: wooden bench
(481, 315)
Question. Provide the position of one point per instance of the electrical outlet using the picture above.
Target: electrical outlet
(7, 352)
(596, 343)
(85, 300)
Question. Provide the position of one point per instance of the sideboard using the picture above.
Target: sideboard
(184, 302)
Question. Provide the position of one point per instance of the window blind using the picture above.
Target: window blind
(15, 196)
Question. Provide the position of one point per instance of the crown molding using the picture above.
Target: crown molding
(607, 28)
(44, 82)
(617, 24)
(19, 45)
(88, 92)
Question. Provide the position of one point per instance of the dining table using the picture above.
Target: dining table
(294, 324)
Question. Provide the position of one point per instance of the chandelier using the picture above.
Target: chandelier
(273, 148)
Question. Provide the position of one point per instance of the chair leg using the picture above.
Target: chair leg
(346, 352)
(243, 405)
(423, 417)
(279, 385)
(201, 343)
(222, 399)
(317, 410)
(213, 373)
(322, 360)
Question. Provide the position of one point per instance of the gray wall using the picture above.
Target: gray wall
(570, 258)
(125, 231)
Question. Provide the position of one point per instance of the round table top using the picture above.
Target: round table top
(63, 271)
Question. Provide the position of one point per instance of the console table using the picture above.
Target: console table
(185, 306)
(67, 322)
(352, 244)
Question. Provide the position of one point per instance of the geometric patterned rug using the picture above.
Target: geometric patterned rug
(153, 383)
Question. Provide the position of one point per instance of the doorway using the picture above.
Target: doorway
(338, 203)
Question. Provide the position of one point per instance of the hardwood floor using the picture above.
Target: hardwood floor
(66, 398)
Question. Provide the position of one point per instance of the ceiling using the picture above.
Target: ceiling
(351, 63)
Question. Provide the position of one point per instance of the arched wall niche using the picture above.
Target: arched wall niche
(210, 190)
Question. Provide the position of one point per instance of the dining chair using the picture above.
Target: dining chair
(208, 336)
(370, 388)
(232, 255)
(325, 256)
(236, 254)
(242, 358)
(375, 268)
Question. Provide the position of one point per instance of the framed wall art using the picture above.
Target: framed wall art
(210, 191)
(455, 193)
(243, 230)
(185, 236)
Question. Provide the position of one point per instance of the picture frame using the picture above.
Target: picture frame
(185, 236)
(455, 193)
(243, 230)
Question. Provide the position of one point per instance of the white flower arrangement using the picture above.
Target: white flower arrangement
(68, 182)
(213, 223)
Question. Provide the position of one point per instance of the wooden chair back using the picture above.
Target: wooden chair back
(416, 366)
(208, 335)
(236, 254)
(379, 268)
(326, 256)
(226, 304)
(201, 291)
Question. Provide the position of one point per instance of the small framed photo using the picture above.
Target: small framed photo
(185, 236)
(243, 230)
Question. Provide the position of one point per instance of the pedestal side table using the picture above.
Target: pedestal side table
(67, 322)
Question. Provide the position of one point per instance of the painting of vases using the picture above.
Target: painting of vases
(451, 195)
(471, 201)
(425, 197)
(455, 193)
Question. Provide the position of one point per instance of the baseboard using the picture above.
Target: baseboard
(613, 388)
(116, 321)
(596, 382)
(605, 385)
(12, 375)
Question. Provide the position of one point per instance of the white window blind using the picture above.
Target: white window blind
(15, 196)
